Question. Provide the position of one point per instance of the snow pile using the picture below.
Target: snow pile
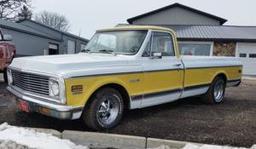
(15, 137)
(11, 145)
(194, 146)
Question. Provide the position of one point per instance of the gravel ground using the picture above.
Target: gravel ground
(231, 123)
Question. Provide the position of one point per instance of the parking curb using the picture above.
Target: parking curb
(104, 140)
(172, 144)
(107, 140)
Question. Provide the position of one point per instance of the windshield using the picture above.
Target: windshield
(117, 42)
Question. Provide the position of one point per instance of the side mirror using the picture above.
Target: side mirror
(156, 55)
(7, 37)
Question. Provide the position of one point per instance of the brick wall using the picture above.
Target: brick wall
(224, 49)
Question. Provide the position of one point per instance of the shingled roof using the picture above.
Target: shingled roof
(206, 32)
(25, 29)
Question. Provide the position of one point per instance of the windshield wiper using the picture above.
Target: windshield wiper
(106, 51)
(85, 50)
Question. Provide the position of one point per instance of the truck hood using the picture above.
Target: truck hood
(74, 65)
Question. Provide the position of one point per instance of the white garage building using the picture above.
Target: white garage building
(201, 33)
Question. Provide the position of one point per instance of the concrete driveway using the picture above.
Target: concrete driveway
(230, 123)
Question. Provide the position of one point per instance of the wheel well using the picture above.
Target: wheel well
(119, 88)
(222, 75)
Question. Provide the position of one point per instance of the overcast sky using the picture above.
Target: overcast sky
(86, 16)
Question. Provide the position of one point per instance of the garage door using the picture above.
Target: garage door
(247, 54)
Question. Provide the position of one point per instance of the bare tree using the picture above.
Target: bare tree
(54, 20)
(25, 13)
(9, 9)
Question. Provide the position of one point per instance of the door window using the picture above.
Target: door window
(162, 43)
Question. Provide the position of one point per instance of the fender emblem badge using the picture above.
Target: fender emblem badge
(134, 80)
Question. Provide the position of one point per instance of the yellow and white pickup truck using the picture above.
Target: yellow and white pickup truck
(126, 67)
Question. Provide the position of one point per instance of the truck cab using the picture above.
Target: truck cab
(7, 53)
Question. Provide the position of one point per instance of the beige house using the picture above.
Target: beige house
(201, 33)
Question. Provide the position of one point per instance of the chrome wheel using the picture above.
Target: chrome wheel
(219, 89)
(108, 110)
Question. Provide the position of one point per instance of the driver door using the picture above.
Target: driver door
(163, 72)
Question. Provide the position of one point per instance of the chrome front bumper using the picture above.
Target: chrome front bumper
(48, 108)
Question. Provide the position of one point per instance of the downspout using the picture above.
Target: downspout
(63, 44)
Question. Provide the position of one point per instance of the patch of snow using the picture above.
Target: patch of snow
(33, 139)
(205, 146)
(12, 145)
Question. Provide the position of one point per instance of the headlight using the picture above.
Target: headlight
(57, 89)
(54, 88)
(9, 76)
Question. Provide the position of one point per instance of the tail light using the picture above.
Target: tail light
(2, 50)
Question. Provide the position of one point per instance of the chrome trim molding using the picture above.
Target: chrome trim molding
(194, 91)
(131, 72)
(212, 67)
(149, 95)
(197, 86)
(152, 99)
(161, 99)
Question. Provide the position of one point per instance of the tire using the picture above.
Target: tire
(5, 76)
(216, 92)
(105, 110)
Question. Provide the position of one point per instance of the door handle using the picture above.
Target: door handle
(177, 65)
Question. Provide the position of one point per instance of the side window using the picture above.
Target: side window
(162, 43)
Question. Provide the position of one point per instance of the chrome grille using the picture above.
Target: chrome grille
(31, 82)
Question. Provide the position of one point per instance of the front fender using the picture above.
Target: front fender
(90, 86)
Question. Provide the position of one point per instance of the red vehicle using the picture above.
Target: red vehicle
(7, 52)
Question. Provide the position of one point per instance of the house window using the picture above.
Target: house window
(252, 55)
(198, 49)
(242, 55)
